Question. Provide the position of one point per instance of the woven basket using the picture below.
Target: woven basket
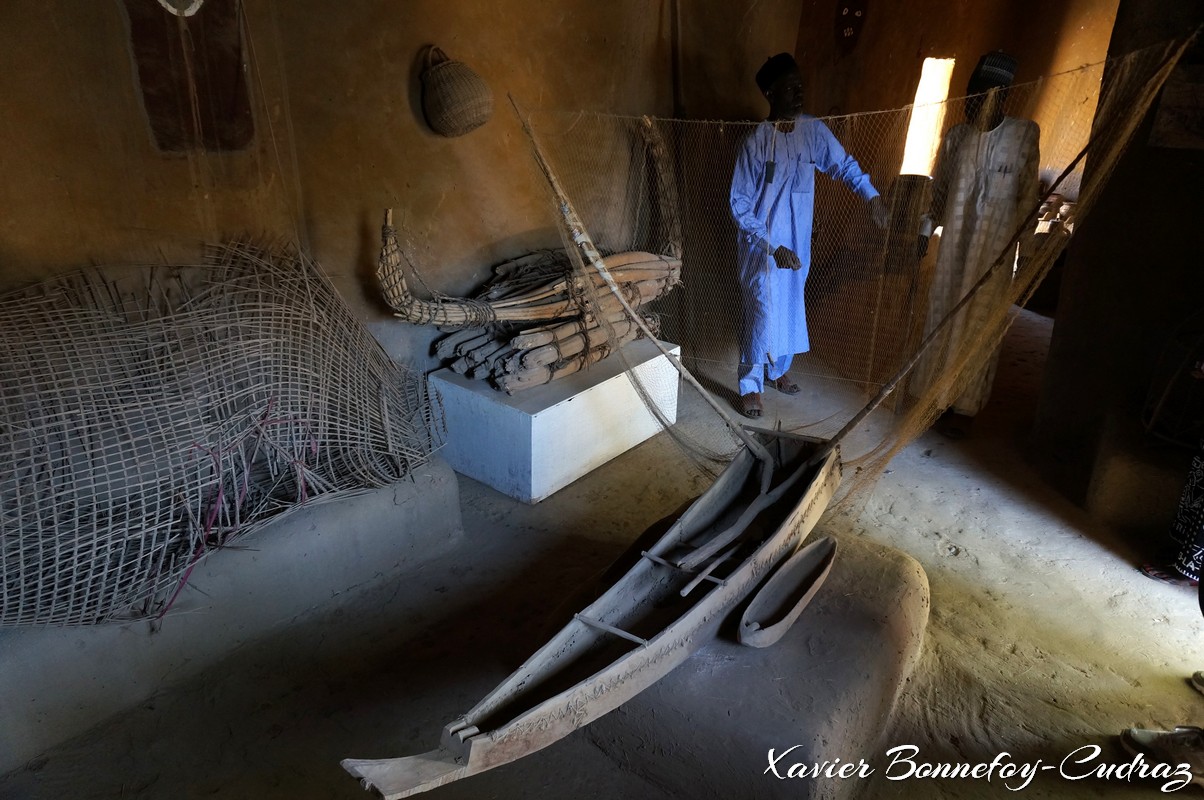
(455, 100)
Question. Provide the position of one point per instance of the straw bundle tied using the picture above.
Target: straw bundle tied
(153, 415)
(540, 319)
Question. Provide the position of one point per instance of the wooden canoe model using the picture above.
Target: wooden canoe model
(653, 618)
(778, 604)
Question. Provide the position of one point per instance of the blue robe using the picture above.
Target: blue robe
(773, 213)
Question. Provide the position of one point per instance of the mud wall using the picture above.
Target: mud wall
(339, 134)
(338, 131)
(882, 68)
(1132, 286)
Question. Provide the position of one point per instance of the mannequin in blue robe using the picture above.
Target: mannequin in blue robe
(773, 203)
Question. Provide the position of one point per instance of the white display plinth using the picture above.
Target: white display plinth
(538, 441)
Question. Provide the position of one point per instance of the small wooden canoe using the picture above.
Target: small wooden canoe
(777, 605)
(652, 619)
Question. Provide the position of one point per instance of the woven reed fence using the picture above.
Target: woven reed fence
(150, 416)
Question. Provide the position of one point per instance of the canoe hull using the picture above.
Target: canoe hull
(465, 750)
(778, 604)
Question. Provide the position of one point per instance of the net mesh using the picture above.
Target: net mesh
(151, 416)
(892, 330)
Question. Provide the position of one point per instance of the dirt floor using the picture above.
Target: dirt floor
(1043, 637)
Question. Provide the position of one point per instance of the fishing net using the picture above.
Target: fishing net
(897, 336)
(151, 416)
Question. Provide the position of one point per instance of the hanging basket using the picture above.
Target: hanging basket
(455, 100)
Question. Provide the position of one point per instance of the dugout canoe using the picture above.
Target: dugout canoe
(653, 618)
(777, 605)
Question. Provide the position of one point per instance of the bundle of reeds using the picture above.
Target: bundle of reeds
(539, 319)
(537, 355)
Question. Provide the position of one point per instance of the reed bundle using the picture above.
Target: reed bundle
(539, 319)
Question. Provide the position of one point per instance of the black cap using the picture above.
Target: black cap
(774, 68)
(994, 69)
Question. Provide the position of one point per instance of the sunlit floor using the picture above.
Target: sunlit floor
(1043, 637)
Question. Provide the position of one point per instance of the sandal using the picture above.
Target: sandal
(1167, 574)
(785, 385)
(750, 404)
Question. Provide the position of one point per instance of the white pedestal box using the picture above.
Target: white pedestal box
(533, 443)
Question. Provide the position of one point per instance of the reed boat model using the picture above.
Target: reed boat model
(670, 603)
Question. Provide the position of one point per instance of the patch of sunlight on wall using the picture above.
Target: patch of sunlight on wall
(927, 115)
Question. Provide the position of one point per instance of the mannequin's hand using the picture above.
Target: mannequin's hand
(786, 258)
(879, 212)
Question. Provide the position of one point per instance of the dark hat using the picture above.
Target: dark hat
(774, 68)
(994, 69)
